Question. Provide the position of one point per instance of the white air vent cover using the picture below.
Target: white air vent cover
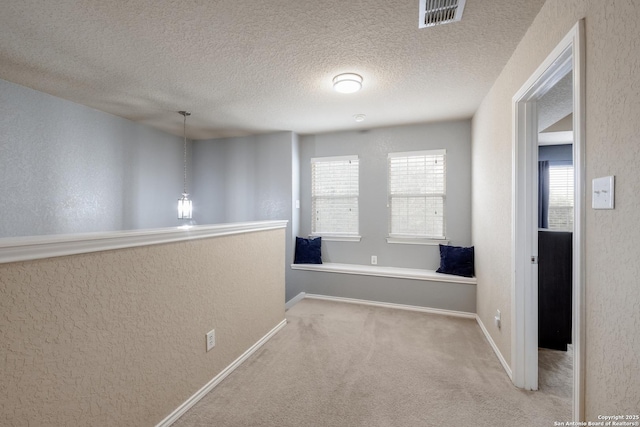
(436, 12)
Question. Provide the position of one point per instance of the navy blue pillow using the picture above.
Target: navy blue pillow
(456, 260)
(308, 251)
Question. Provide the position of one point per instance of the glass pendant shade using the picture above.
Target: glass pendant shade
(185, 207)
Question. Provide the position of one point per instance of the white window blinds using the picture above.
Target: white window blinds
(334, 196)
(561, 197)
(417, 191)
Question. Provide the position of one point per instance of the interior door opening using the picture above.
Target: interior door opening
(566, 59)
(555, 211)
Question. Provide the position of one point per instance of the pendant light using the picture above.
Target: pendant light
(185, 206)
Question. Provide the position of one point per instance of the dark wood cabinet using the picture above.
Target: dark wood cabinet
(555, 259)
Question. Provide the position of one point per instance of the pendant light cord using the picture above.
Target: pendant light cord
(184, 134)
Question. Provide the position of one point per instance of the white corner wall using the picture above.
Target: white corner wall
(117, 337)
(612, 148)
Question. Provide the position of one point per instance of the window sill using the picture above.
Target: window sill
(416, 241)
(327, 238)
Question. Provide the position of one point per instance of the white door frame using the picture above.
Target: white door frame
(568, 56)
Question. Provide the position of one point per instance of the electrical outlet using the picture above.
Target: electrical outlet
(211, 339)
(374, 260)
(497, 319)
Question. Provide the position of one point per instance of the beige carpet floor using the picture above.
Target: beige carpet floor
(340, 364)
(555, 372)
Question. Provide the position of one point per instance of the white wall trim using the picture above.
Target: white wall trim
(380, 271)
(440, 311)
(173, 417)
(293, 301)
(416, 241)
(579, 221)
(13, 249)
(503, 362)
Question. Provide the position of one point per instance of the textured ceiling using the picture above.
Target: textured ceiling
(556, 104)
(245, 66)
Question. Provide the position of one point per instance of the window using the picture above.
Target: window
(417, 192)
(561, 197)
(334, 197)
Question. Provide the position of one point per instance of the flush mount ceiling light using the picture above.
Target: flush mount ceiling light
(185, 206)
(347, 83)
(359, 117)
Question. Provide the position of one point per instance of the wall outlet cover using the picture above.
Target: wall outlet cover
(211, 339)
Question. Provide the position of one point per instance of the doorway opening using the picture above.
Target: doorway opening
(566, 59)
(556, 190)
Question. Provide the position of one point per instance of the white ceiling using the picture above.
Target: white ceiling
(556, 104)
(244, 66)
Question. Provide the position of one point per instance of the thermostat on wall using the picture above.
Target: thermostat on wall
(603, 193)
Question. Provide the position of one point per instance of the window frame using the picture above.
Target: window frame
(571, 174)
(353, 236)
(398, 238)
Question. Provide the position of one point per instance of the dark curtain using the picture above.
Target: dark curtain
(543, 194)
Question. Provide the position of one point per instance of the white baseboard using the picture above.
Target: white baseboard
(396, 306)
(504, 363)
(173, 417)
(293, 301)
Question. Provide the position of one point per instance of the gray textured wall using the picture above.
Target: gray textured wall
(372, 148)
(66, 168)
(243, 179)
(556, 153)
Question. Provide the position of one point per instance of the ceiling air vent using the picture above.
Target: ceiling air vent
(436, 12)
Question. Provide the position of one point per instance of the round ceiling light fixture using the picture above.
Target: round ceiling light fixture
(347, 83)
(359, 117)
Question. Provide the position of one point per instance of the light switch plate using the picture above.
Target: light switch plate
(603, 193)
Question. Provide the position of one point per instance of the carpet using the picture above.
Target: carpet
(340, 364)
(555, 372)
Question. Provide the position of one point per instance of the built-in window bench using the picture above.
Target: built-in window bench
(408, 286)
(380, 271)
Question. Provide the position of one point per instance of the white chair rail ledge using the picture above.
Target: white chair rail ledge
(381, 271)
(13, 249)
